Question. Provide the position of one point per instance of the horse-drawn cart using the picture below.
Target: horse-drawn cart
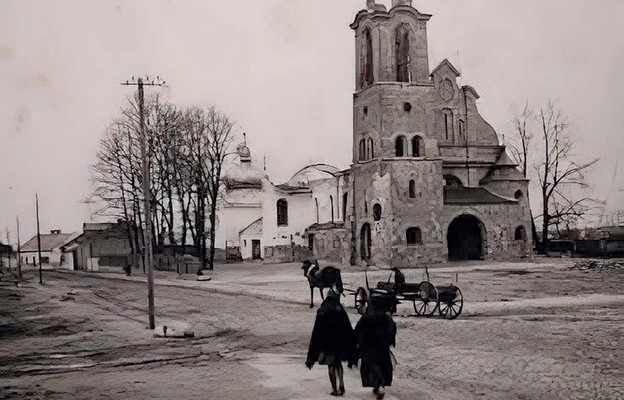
(426, 298)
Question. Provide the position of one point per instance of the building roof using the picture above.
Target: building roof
(379, 11)
(49, 242)
(326, 226)
(257, 225)
(469, 195)
(447, 63)
(301, 179)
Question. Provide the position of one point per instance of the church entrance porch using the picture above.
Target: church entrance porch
(465, 238)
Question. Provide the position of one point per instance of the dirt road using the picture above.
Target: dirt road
(527, 332)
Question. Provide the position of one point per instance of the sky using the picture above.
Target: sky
(284, 71)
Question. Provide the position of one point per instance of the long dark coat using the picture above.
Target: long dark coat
(374, 336)
(332, 338)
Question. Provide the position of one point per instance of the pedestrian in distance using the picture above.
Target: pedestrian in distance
(375, 332)
(332, 340)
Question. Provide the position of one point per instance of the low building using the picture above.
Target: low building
(101, 246)
(51, 250)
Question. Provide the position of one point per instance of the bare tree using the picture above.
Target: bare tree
(187, 149)
(220, 133)
(520, 146)
(520, 141)
(561, 177)
(208, 135)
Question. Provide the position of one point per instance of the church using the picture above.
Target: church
(429, 181)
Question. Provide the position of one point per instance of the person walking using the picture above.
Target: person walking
(332, 340)
(375, 332)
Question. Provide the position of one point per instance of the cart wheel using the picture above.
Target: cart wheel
(360, 300)
(427, 300)
(453, 307)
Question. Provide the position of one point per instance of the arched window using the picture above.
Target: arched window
(448, 124)
(413, 236)
(400, 145)
(362, 150)
(344, 206)
(412, 189)
(331, 201)
(462, 128)
(282, 212)
(418, 146)
(518, 194)
(376, 212)
(520, 233)
(401, 49)
(367, 59)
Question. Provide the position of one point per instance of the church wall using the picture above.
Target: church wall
(422, 212)
(328, 194)
(332, 245)
(278, 241)
(241, 208)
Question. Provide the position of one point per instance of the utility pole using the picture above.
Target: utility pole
(19, 256)
(147, 233)
(38, 240)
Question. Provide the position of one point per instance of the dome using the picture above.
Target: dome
(243, 151)
(244, 176)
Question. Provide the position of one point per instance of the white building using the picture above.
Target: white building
(260, 220)
(51, 250)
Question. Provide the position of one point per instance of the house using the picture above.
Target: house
(51, 250)
(100, 246)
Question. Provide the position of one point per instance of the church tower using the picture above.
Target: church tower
(396, 171)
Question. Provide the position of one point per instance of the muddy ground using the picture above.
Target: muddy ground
(527, 331)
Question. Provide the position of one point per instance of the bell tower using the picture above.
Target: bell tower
(397, 184)
(390, 45)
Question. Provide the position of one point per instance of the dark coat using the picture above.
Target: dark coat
(374, 336)
(332, 338)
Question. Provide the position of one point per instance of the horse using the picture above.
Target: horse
(321, 278)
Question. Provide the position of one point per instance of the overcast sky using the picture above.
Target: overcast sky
(283, 69)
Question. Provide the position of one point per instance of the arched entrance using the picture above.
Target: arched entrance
(465, 238)
(365, 242)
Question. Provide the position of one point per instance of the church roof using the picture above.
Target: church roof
(469, 195)
(244, 176)
(505, 161)
(256, 225)
(448, 64)
(381, 12)
(326, 225)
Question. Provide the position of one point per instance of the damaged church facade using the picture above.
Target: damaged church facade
(429, 181)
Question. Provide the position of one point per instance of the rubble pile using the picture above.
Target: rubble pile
(598, 264)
